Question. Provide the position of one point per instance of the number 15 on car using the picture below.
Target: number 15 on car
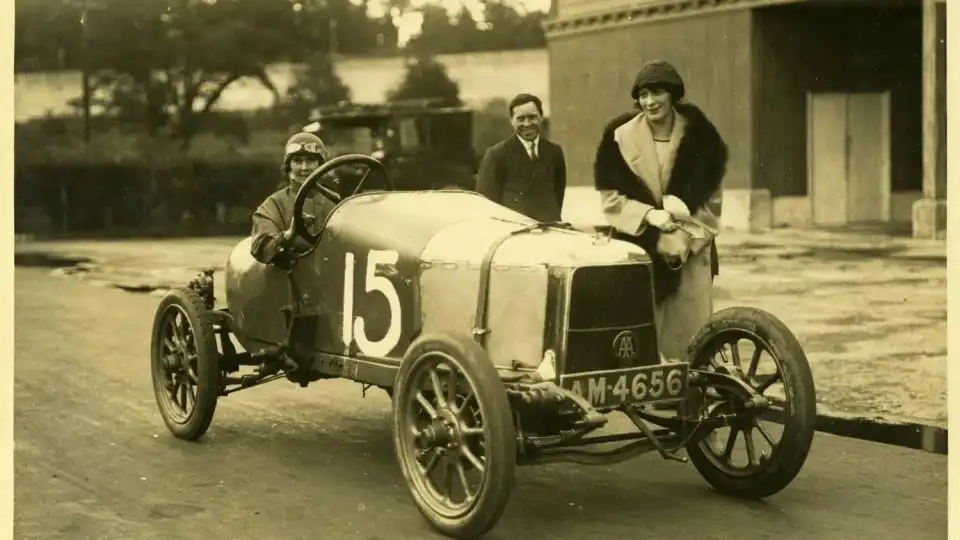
(355, 327)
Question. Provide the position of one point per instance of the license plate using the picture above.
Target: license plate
(632, 386)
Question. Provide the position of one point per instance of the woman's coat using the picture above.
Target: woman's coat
(632, 180)
(274, 216)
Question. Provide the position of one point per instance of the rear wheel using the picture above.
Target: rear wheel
(770, 463)
(184, 364)
(453, 434)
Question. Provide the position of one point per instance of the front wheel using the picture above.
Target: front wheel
(184, 364)
(764, 466)
(453, 434)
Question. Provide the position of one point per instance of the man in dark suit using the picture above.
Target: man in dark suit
(525, 172)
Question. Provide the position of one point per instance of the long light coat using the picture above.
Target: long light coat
(687, 182)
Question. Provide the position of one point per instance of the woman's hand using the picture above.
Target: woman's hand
(660, 219)
(674, 247)
(676, 207)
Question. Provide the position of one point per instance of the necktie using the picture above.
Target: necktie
(533, 151)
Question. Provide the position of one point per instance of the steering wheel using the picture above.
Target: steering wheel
(298, 226)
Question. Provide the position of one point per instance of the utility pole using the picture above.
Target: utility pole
(85, 67)
(333, 35)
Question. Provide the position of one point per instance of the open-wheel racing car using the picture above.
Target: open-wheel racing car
(502, 342)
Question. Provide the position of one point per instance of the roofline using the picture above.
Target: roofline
(647, 12)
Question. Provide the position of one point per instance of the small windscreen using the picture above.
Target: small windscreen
(349, 140)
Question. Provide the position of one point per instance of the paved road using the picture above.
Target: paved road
(871, 312)
(93, 459)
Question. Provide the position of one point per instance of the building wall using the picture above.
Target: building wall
(824, 47)
(591, 73)
(940, 69)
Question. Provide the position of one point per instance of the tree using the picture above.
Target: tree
(315, 84)
(339, 27)
(48, 35)
(438, 34)
(426, 78)
(506, 28)
(166, 63)
(501, 27)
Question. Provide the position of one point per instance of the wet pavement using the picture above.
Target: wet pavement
(94, 460)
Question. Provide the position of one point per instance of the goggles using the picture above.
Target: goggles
(310, 148)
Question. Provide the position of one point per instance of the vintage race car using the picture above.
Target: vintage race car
(502, 341)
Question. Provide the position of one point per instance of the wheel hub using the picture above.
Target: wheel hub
(178, 360)
(171, 362)
(442, 432)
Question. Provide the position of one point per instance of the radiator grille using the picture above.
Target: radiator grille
(605, 302)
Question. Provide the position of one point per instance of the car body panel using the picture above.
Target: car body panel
(401, 222)
(516, 307)
(416, 260)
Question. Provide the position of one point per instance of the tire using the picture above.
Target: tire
(800, 413)
(499, 434)
(186, 424)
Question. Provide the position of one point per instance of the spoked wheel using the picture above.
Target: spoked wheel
(453, 434)
(754, 458)
(184, 364)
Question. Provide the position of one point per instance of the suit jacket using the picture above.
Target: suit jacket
(508, 176)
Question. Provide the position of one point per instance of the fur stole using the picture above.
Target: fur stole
(696, 174)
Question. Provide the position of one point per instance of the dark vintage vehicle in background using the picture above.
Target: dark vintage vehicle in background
(502, 341)
(422, 145)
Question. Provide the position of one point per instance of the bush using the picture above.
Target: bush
(426, 78)
(127, 183)
(192, 197)
(490, 126)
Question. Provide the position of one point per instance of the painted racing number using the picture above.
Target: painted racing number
(632, 385)
(354, 326)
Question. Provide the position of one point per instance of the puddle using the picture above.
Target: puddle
(67, 265)
(174, 510)
(50, 260)
(851, 320)
(840, 254)
(140, 288)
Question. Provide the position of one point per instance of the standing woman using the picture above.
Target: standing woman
(659, 172)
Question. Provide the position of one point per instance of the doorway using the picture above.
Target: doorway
(848, 157)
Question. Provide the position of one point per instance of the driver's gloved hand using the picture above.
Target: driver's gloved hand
(300, 245)
(283, 258)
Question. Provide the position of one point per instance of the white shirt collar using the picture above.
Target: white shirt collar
(527, 145)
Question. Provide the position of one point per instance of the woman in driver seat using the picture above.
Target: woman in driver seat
(303, 153)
